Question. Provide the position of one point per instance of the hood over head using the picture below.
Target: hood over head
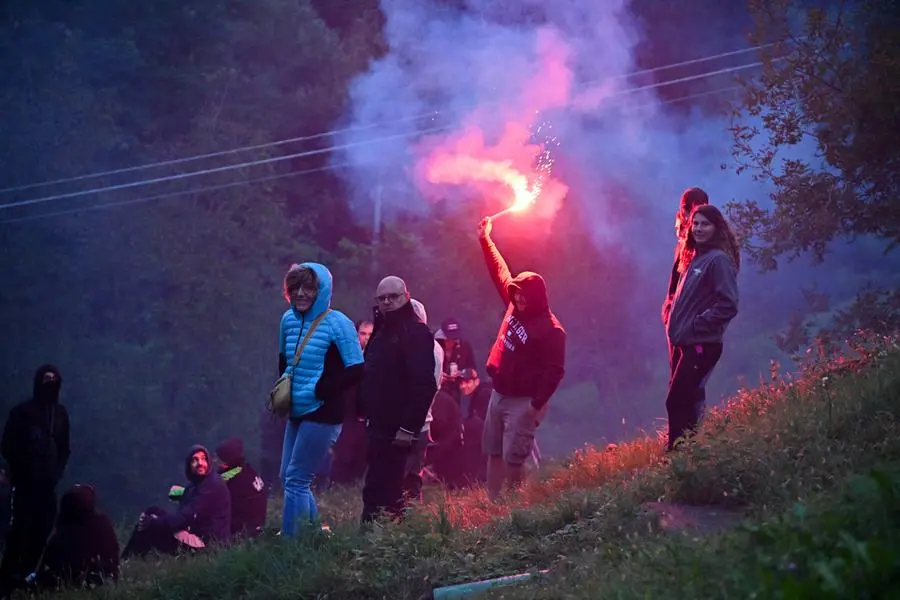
(231, 452)
(187, 463)
(534, 288)
(77, 505)
(47, 392)
(419, 309)
(323, 298)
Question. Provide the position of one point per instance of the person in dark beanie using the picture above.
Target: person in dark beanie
(458, 355)
(526, 365)
(35, 446)
(83, 550)
(249, 499)
(705, 302)
(203, 516)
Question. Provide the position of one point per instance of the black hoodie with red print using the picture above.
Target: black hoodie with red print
(528, 358)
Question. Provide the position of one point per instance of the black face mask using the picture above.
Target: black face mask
(48, 391)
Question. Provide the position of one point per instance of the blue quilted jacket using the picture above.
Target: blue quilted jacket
(335, 329)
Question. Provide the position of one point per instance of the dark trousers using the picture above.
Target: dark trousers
(686, 400)
(415, 463)
(156, 538)
(349, 463)
(33, 510)
(383, 490)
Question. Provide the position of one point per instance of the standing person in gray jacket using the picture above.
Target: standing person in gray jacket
(705, 301)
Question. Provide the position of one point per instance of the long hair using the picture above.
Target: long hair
(723, 238)
(691, 198)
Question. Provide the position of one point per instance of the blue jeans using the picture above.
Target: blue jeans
(305, 445)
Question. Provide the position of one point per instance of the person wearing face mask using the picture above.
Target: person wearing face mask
(705, 302)
(330, 363)
(526, 365)
(203, 516)
(35, 446)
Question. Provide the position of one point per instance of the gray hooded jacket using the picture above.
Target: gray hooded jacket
(705, 301)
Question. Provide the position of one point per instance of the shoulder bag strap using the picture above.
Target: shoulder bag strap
(302, 345)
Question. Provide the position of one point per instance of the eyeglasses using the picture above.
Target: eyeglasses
(385, 298)
(306, 290)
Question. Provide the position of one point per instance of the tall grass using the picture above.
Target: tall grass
(791, 442)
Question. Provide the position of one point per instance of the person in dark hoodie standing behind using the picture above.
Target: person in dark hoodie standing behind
(690, 198)
(35, 445)
(705, 302)
(203, 516)
(526, 365)
(396, 392)
(249, 497)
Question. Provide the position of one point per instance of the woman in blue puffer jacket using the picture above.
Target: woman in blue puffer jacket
(331, 362)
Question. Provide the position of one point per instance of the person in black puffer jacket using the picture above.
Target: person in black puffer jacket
(396, 392)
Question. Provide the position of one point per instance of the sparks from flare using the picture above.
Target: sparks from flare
(471, 161)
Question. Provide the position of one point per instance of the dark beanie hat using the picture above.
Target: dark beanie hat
(231, 452)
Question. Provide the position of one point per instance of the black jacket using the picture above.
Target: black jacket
(83, 549)
(398, 385)
(249, 500)
(36, 437)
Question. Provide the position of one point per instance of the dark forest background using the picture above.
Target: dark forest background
(162, 315)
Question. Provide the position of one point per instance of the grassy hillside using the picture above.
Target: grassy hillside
(810, 463)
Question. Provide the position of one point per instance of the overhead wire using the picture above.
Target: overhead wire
(334, 132)
(317, 151)
(218, 187)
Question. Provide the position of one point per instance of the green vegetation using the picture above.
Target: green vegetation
(812, 462)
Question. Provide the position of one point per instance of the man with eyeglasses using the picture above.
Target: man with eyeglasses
(395, 395)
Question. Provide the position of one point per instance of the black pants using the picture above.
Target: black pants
(383, 490)
(686, 400)
(33, 510)
(415, 462)
(158, 538)
(349, 463)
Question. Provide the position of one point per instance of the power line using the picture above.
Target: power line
(211, 188)
(317, 151)
(253, 163)
(177, 161)
(115, 204)
(334, 132)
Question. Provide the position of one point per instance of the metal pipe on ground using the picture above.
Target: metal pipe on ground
(464, 590)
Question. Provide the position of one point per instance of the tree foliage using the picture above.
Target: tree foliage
(825, 114)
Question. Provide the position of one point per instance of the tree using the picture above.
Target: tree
(832, 82)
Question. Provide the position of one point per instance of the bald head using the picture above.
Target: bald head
(391, 293)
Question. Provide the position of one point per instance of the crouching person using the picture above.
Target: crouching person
(83, 550)
(249, 496)
(203, 516)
